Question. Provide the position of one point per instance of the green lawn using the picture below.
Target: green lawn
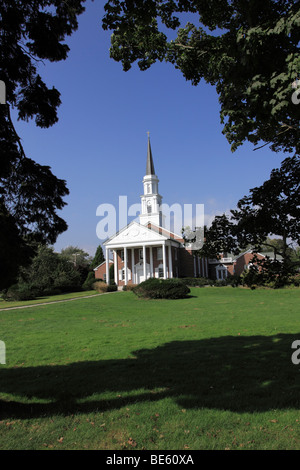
(54, 298)
(213, 371)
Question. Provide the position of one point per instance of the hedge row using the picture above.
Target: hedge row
(155, 288)
(203, 281)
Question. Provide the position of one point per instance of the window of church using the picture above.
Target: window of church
(159, 253)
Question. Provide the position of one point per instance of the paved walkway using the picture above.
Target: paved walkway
(56, 301)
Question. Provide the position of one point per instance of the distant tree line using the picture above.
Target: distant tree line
(52, 273)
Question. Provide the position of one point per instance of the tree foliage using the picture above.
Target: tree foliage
(76, 256)
(14, 252)
(80, 260)
(30, 195)
(247, 49)
(220, 237)
(275, 246)
(49, 273)
(272, 209)
(98, 258)
(31, 32)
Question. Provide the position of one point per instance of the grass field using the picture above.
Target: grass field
(54, 298)
(212, 371)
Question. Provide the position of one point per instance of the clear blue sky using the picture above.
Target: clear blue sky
(99, 145)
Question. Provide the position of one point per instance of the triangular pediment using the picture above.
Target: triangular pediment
(134, 233)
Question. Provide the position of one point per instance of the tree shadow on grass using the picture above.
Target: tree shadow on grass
(242, 374)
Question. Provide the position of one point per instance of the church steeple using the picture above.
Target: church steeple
(150, 166)
(151, 199)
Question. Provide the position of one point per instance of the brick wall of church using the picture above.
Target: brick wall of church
(243, 261)
(100, 273)
(191, 265)
(186, 268)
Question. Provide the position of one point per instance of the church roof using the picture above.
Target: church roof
(150, 166)
(165, 232)
(101, 264)
(134, 234)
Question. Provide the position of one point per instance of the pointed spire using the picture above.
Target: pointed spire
(150, 166)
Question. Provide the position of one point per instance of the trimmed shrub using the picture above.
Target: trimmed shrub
(129, 287)
(155, 288)
(112, 287)
(220, 283)
(101, 287)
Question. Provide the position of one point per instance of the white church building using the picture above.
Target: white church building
(147, 248)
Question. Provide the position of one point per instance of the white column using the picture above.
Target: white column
(115, 267)
(125, 265)
(164, 260)
(170, 261)
(107, 266)
(151, 262)
(132, 266)
(144, 262)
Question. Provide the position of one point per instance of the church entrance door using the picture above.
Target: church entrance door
(139, 270)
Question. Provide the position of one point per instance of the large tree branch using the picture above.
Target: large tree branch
(287, 128)
(183, 45)
(15, 132)
(29, 54)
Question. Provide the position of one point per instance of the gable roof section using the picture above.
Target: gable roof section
(134, 234)
(165, 232)
(264, 255)
(101, 264)
(251, 250)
